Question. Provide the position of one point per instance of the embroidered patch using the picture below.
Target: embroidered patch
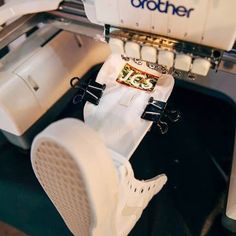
(135, 78)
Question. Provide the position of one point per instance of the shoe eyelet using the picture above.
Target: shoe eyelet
(135, 190)
(149, 188)
(142, 190)
(131, 186)
(154, 186)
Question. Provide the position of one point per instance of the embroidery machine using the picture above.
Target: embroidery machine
(190, 38)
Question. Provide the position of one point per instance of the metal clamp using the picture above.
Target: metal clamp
(91, 91)
(156, 112)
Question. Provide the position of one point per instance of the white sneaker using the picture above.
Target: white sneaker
(92, 187)
(90, 181)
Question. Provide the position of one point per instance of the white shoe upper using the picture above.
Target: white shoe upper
(134, 195)
(87, 174)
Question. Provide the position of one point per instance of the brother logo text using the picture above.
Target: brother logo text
(163, 7)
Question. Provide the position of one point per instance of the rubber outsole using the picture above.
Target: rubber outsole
(78, 176)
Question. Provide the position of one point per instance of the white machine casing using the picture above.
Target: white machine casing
(206, 22)
(34, 76)
(13, 9)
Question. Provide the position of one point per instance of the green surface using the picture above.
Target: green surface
(23, 203)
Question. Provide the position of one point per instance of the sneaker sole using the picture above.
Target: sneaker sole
(69, 171)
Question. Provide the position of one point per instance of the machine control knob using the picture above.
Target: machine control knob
(149, 54)
(132, 50)
(183, 62)
(116, 45)
(200, 66)
(166, 58)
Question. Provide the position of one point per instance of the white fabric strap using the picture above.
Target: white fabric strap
(117, 118)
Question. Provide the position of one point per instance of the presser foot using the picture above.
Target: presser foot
(90, 91)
